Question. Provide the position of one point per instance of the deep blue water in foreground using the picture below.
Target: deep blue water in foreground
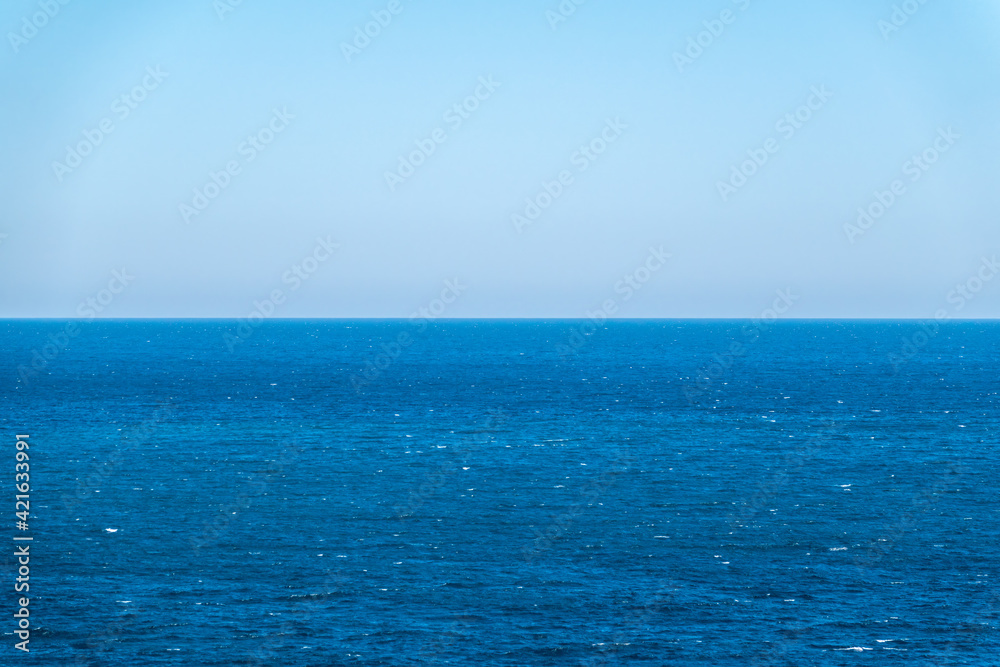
(506, 493)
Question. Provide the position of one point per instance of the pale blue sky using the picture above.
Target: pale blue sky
(677, 135)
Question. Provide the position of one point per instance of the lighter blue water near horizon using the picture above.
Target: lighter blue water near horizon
(506, 492)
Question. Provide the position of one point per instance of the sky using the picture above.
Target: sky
(206, 158)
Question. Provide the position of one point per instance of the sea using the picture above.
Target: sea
(493, 492)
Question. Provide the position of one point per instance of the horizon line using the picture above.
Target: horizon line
(494, 319)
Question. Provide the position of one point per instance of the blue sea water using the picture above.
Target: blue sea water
(506, 492)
